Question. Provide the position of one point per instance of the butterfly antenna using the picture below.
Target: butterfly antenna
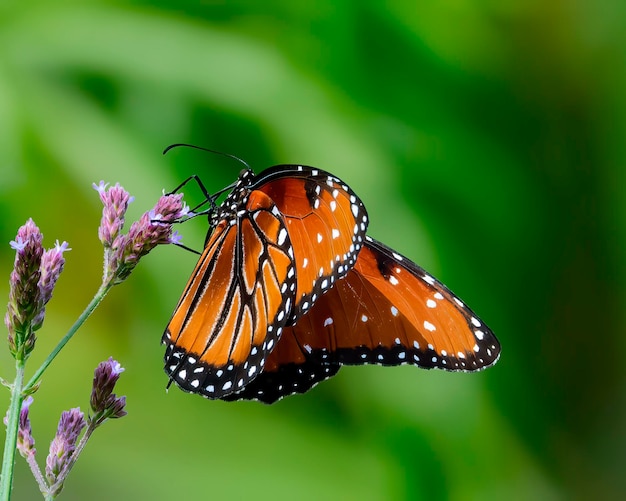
(176, 145)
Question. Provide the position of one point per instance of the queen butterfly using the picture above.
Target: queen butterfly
(289, 288)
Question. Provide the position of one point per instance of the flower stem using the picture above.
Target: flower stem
(8, 459)
(99, 296)
(34, 467)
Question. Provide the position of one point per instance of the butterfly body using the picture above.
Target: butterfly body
(289, 288)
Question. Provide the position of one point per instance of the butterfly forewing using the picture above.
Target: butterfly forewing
(236, 303)
(326, 222)
(404, 315)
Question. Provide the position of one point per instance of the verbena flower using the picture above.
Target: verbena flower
(63, 445)
(25, 440)
(104, 403)
(123, 251)
(32, 280)
(24, 291)
(115, 201)
(52, 263)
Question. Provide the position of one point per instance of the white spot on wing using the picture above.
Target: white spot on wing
(282, 235)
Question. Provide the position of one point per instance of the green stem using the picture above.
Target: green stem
(34, 468)
(8, 459)
(102, 291)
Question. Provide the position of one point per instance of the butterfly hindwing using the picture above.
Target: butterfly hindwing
(387, 311)
(288, 370)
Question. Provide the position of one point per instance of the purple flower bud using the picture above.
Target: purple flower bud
(104, 403)
(153, 228)
(25, 440)
(24, 292)
(115, 200)
(52, 263)
(63, 445)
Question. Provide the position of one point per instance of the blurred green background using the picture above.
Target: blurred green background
(487, 140)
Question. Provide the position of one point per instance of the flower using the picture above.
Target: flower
(25, 440)
(104, 403)
(52, 263)
(115, 201)
(24, 292)
(63, 445)
(176, 238)
(153, 228)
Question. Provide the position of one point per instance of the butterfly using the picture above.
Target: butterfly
(290, 287)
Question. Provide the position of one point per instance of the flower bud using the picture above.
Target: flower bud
(104, 403)
(63, 445)
(24, 292)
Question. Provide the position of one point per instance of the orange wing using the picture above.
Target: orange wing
(326, 222)
(238, 299)
(386, 311)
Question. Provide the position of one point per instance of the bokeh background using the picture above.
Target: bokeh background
(488, 141)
